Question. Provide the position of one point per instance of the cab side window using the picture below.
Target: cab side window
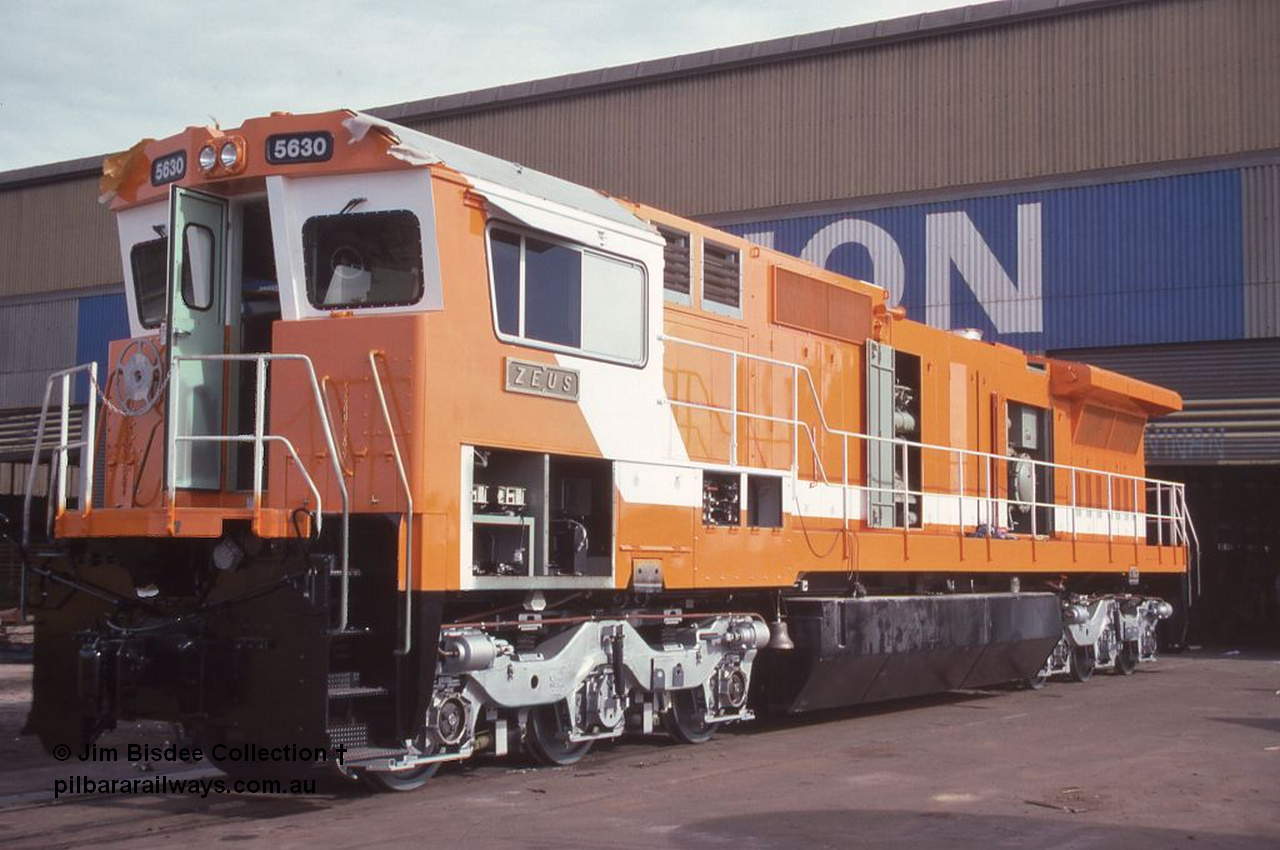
(553, 294)
(148, 261)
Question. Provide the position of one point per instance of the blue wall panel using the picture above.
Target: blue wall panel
(1144, 261)
(101, 319)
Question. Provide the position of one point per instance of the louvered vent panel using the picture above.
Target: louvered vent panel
(675, 261)
(721, 280)
(809, 304)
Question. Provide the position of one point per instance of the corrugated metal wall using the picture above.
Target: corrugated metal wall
(39, 337)
(1242, 369)
(1230, 392)
(56, 236)
(1107, 88)
(35, 339)
(100, 319)
(1129, 263)
(1119, 86)
(18, 430)
(1261, 198)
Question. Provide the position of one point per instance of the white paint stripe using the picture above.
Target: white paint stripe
(655, 484)
(681, 486)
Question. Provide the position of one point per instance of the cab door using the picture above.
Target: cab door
(197, 326)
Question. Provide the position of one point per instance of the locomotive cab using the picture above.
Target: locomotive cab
(205, 518)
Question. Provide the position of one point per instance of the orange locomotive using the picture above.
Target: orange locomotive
(425, 453)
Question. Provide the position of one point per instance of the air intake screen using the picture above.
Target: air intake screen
(675, 261)
(809, 304)
(1109, 429)
(721, 282)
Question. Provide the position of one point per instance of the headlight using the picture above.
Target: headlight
(208, 158)
(229, 155)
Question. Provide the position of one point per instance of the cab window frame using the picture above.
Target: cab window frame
(198, 299)
(520, 337)
(310, 263)
(140, 299)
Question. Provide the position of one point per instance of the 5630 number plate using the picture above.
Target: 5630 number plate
(289, 148)
(168, 168)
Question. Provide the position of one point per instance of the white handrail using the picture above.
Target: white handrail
(265, 438)
(408, 501)
(1177, 517)
(822, 419)
(259, 437)
(86, 443)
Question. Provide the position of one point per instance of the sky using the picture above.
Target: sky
(88, 77)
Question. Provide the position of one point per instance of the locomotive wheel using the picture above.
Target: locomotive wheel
(1126, 660)
(685, 720)
(409, 779)
(1081, 663)
(1038, 680)
(547, 741)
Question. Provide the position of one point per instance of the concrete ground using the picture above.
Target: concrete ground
(1186, 753)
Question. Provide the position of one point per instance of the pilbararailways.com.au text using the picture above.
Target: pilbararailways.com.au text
(167, 785)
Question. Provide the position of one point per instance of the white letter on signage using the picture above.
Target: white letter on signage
(888, 270)
(763, 238)
(952, 240)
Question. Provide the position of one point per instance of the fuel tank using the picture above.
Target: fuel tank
(850, 651)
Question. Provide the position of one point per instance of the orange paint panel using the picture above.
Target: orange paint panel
(951, 553)
(749, 557)
(180, 522)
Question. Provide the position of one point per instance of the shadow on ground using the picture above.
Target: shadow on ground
(1267, 724)
(851, 828)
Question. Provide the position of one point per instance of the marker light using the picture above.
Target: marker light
(229, 155)
(208, 158)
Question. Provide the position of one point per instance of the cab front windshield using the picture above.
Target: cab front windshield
(363, 259)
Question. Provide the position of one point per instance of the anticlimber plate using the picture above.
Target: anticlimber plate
(541, 379)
